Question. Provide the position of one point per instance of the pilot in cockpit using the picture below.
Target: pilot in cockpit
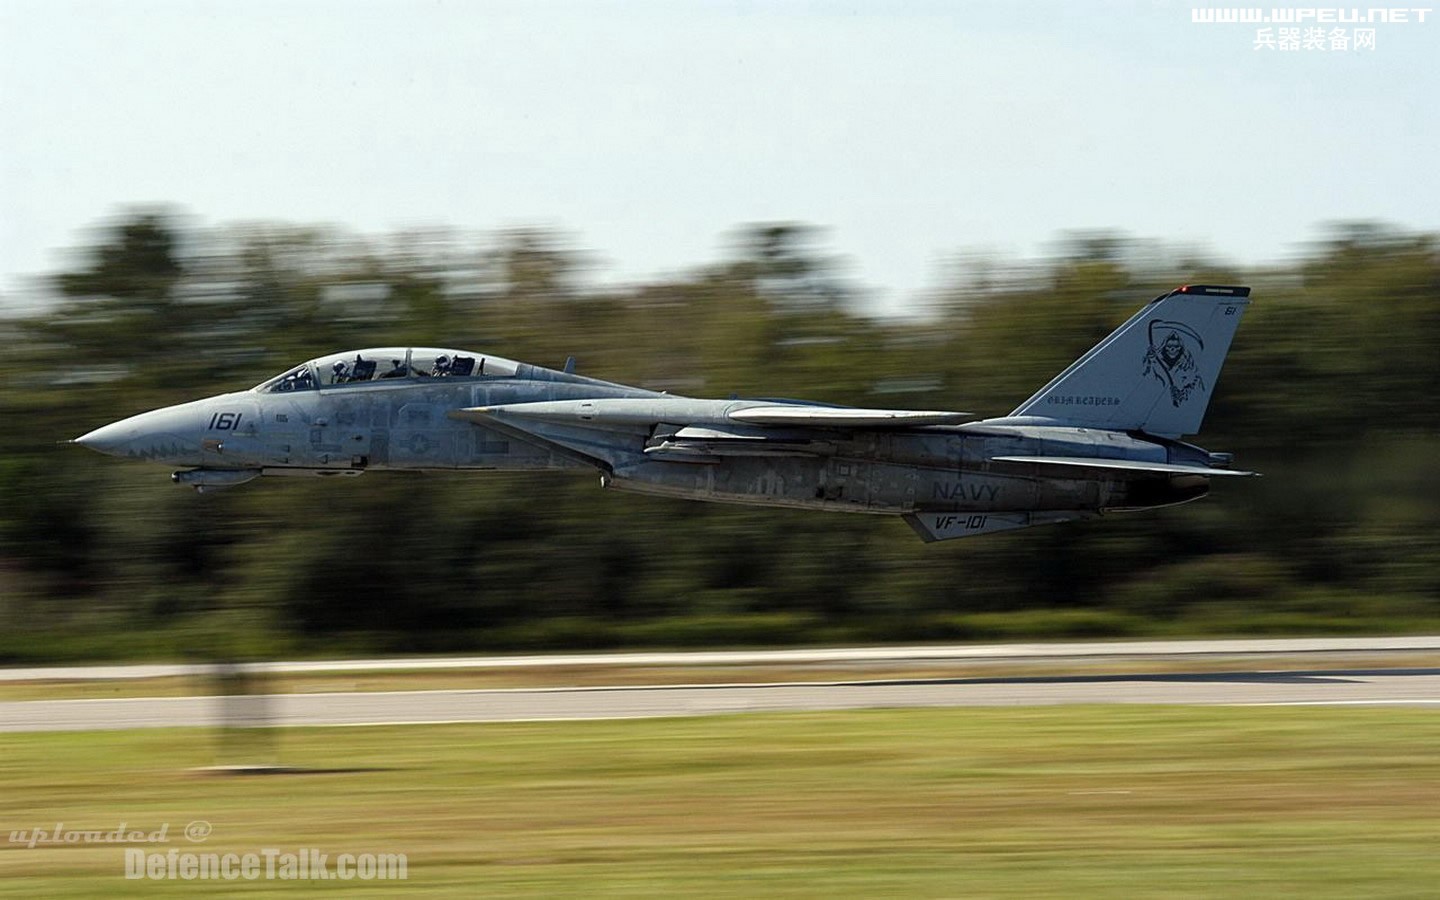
(298, 380)
(341, 372)
(442, 366)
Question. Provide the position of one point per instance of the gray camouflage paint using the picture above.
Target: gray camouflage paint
(946, 479)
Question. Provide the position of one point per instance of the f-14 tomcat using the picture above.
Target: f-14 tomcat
(1102, 436)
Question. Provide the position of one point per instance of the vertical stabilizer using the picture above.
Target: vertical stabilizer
(1155, 373)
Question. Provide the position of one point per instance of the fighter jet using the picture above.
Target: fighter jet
(1103, 436)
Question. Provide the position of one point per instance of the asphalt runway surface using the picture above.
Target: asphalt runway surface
(1410, 687)
(1026, 652)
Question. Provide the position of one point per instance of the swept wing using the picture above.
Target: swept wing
(618, 431)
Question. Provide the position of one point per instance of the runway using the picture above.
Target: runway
(1411, 687)
(1016, 652)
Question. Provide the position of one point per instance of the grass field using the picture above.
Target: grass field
(1060, 802)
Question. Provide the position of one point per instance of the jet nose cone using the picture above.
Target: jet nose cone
(109, 439)
(162, 435)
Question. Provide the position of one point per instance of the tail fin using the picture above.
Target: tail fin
(1155, 373)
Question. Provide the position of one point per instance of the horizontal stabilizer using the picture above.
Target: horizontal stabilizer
(845, 417)
(1122, 465)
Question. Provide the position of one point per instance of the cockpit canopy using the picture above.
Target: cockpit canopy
(383, 363)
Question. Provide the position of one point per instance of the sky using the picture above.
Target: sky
(650, 131)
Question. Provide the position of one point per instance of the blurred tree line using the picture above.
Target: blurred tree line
(1332, 390)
